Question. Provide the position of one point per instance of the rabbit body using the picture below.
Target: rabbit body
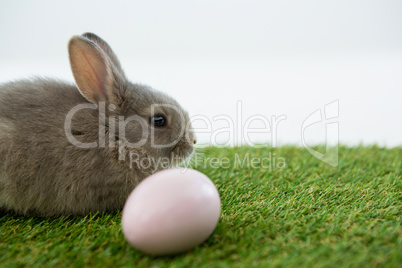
(43, 173)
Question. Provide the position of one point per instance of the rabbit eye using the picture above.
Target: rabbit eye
(158, 120)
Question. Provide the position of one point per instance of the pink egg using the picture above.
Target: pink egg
(171, 212)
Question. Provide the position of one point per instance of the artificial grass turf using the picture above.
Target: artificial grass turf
(304, 214)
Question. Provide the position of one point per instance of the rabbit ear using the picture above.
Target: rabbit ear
(106, 48)
(93, 71)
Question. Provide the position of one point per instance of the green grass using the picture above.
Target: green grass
(304, 214)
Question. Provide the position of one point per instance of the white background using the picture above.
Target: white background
(276, 57)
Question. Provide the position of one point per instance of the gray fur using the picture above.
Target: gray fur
(42, 173)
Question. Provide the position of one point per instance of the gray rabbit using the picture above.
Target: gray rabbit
(74, 149)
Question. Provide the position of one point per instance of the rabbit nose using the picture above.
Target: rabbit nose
(195, 141)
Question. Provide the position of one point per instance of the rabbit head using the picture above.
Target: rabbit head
(134, 118)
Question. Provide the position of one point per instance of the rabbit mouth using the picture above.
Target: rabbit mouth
(181, 152)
